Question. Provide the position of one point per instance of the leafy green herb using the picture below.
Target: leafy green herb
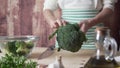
(16, 62)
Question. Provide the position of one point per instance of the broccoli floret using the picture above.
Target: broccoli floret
(21, 44)
(18, 47)
(22, 51)
(29, 44)
(11, 48)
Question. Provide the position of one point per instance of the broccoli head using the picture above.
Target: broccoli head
(69, 37)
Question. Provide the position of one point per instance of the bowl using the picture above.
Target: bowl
(18, 45)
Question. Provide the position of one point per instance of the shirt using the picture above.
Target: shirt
(66, 4)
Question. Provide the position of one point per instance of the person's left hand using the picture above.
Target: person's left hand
(84, 25)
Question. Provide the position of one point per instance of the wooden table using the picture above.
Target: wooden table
(69, 59)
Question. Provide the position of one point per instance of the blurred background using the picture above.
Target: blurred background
(25, 17)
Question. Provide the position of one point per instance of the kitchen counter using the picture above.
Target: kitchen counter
(69, 59)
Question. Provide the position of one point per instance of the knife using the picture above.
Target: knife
(49, 51)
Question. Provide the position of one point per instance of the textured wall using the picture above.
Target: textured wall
(24, 17)
(3, 17)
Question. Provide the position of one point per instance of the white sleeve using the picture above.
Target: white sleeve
(109, 4)
(50, 4)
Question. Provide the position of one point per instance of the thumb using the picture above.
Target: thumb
(81, 24)
(83, 27)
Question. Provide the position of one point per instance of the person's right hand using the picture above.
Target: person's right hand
(57, 23)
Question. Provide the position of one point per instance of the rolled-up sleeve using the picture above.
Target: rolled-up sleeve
(109, 4)
(50, 4)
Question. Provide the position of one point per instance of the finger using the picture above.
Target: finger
(83, 27)
(83, 22)
(64, 22)
(56, 25)
(80, 24)
(59, 22)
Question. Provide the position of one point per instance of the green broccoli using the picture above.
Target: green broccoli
(11, 48)
(21, 51)
(29, 44)
(69, 37)
(18, 47)
(20, 44)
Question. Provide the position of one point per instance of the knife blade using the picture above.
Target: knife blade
(49, 51)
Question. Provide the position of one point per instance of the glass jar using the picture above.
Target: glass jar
(106, 48)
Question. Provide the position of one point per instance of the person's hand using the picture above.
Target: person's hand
(57, 23)
(84, 25)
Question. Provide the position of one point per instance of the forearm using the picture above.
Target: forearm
(54, 20)
(49, 16)
(101, 17)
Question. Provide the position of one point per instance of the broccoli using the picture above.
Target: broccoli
(29, 44)
(18, 47)
(11, 48)
(21, 51)
(69, 37)
(20, 44)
